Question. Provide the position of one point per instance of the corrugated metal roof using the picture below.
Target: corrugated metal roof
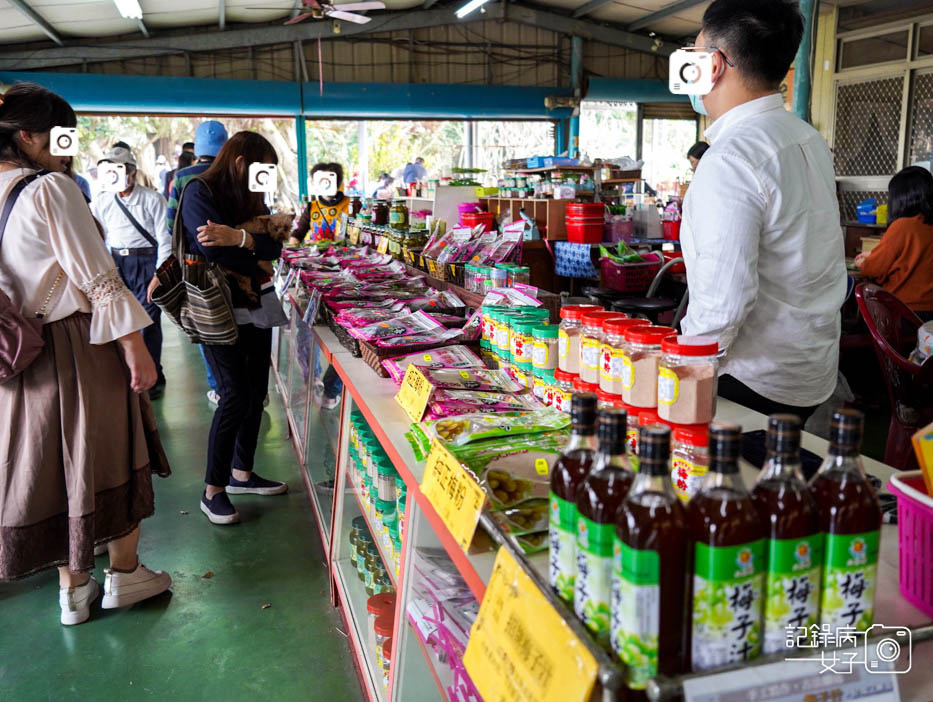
(77, 19)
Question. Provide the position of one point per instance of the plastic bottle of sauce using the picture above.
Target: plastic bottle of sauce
(728, 560)
(567, 475)
(794, 540)
(850, 518)
(598, 502)
(649, 587)
(568, 339)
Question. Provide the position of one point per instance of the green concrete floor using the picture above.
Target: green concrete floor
(210, 639)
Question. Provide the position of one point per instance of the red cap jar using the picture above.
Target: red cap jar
(689, 459)
(687, 379)
(610, 353)
(641, 357)
(591, 340)
(568, 336)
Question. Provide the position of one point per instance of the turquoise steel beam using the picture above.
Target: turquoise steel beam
(576, 87)
(802, 67)
(301, 141)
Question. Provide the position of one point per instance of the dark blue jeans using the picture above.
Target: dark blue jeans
(137, 272)
(241, 371)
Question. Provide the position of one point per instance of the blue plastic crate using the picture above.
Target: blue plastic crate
(551, 161)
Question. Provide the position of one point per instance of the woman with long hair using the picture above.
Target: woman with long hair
(76, 452)
(903, 262)
(214, 207)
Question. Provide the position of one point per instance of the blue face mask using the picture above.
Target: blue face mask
(698, 106)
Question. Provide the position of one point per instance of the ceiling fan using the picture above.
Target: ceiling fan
(346, 12)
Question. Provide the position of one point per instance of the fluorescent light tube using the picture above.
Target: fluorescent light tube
(469, 7)
(129, 9)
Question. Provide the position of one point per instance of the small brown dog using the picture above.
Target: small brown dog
(279, 228)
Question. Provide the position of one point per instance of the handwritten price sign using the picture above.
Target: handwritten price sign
(453, 492)
(415, 392)
(520, 649)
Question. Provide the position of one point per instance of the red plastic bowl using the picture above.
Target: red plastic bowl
(677, 267)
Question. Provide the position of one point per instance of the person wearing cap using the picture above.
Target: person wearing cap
(132, 222)
(210, 136)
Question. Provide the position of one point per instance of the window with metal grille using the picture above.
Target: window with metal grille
(866, 128)
(920, 139)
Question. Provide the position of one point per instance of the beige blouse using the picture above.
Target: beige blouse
(51, 230)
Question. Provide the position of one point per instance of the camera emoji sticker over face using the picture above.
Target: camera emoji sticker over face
(324, 184)
(64, 141)
(112, 177)
(691, 72)
(263, 177)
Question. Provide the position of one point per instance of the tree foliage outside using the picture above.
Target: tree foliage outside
(608, 129)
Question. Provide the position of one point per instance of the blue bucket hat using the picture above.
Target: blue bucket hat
(209, 138)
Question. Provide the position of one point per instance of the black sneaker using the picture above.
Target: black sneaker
(219, 509)
(157, 391)
(256, 486)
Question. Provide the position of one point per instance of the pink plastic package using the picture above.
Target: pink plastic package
(360, 317)
(447, 402)
(473, 379)
(448, 357)
(435, 337)
(414, 323)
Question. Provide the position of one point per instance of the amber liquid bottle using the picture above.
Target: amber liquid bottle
(794, 539)
(728, 560)
(649, 587)
(850, 517)
(598, 502)
(567, 475)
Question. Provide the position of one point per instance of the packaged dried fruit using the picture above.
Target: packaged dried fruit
(484, 401)
(429, 338)
(527, 518)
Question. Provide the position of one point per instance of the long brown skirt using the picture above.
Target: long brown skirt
(74, 458)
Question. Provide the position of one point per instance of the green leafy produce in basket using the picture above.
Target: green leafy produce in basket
(622, 254)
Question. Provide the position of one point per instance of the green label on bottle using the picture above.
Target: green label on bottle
(849, 580)
(562, 535)
(793, 589)
(593, 585)
(636, 612)
(728, 583)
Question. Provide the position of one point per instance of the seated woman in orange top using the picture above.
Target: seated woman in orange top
(903, 262)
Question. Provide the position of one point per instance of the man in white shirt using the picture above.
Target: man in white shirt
(134, 224)
(761, 234)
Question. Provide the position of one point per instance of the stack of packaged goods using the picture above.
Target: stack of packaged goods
(442, 610)
(382, 490)
(674, 582)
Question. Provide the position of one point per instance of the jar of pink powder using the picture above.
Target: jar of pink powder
(687, 379)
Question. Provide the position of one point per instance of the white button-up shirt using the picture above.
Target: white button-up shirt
(764, 252)
(149, 209)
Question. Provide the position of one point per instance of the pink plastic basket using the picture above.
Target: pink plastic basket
(914, 539)
(629, 277)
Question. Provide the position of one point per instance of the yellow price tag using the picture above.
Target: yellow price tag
(427, 357)
(415, 392)
(541, 466)
(453, 492)
(383, 244)
(520, 649)
(353, 236)
(464, 375)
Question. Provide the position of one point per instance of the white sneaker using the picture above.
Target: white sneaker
(76, 602)
(124, 589)
(212, 397)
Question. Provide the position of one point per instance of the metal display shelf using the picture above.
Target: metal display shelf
(414, 675)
